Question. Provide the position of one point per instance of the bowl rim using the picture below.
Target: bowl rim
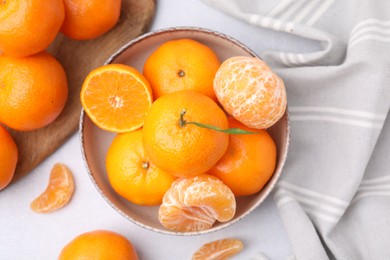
(274, 179)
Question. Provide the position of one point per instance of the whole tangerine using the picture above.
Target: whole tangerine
(249, 161)
(99, 244)
(89, 19)
(28, 27)
(8, 157)
(250, 91)
(178, 146)
(182, 64)
(33, 91)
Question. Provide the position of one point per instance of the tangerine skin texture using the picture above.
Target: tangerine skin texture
(8, 157)
(187, 150)
(33, 91)
(99, 244)
(182, 64)
(249, 161)
(88, 19)
(29, 26)
(250, 91)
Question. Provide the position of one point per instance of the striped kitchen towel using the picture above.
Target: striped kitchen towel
(334, 195)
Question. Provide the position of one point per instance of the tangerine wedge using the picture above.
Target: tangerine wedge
(116, 97)
(58, 192)
(219, 249)
(194, 204)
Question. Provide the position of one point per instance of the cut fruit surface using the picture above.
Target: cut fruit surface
(194, 204)
(116, 97)
(219, 250)
(59, 191)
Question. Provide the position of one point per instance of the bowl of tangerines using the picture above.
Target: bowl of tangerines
(184, 130)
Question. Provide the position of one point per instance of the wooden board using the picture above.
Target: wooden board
(78, 59)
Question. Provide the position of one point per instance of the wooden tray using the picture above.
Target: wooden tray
(78, 59)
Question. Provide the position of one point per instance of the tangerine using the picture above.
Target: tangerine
(33, 91)
(8, 157)
(182, 64)
(28, 27)
(132, 174)
(174, 144)
(116, 97)
(99, 244)
(88, 19)
(219, 249)
(58, 192)
(249, 161)
(195, 203)
(248, 90)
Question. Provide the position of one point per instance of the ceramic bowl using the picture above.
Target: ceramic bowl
(95, 141)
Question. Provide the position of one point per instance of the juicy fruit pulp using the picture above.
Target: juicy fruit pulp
(194, 204)
(219, 249)
(116, 97)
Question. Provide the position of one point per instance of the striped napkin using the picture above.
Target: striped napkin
(334, 195)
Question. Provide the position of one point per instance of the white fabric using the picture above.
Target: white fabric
(334, 195)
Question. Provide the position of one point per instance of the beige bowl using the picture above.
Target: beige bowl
(95, 141)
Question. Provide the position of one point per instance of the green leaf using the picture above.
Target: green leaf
(234, 131)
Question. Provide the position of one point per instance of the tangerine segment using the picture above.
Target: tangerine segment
(182, 149)
(249, 161)
(131, 174)
(219, 250)
(58, 193)
(249, 91)
(194, 204)
(116, 97)
(182, 64)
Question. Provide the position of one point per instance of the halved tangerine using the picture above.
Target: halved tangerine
(116, 97)
(194, 204)
(59, 191)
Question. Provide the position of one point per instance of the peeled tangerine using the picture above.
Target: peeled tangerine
(248, 90)
(194, 204)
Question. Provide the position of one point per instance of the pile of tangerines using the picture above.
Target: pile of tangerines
(191, 130)
(33, 84)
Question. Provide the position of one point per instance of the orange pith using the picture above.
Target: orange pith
(219, 249)
(116, 97)
(249, 91)
(182, 64)
(8, 157)
(132, 174)
(249, 161)
(58, 192)
(194, 204)
(28, 27)
(186, 150)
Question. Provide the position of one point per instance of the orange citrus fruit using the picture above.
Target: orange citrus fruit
(88, 19)
(116, 97)
(182, 64)
(8, 157)
(33, 91)
(219, 249)
(132, 174)
(249, 91)
(249, 161)
(58, 192)
(178, 147)
(99, 245)
(28, 27)
(195, 203)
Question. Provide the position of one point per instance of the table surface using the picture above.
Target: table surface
(28, 235)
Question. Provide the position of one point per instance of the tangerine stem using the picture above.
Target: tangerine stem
(235, 131)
